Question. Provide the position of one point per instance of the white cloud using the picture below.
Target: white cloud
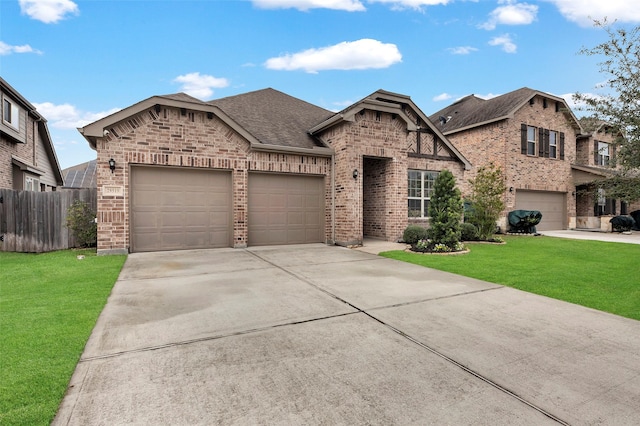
(442, 97)
(304, 5)
(488, 96)
(505, 42)
(355, 55)
(66, 116)
(462, 50)
(584, 11)
(48, 11)
(511, 13)
(410, 4)
(7, 49)
(200, 86)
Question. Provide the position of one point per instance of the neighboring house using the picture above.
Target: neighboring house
(80, 176)
(596, 151)
(531, 136)
(27, 157)
(263, 168)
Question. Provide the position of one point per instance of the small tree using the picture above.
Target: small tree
(81, 221)
(487, 190)
(445, 211)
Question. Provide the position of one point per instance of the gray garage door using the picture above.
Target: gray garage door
(552, 205)
(285, 209)
(179, 209)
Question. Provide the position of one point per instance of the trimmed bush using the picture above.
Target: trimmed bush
(445, 211)
(413, 233)
(469, 232)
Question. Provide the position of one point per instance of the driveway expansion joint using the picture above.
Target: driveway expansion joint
(424, 345)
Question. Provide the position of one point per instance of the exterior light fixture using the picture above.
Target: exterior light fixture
(112, 164)
(511, 189)
(355, 173)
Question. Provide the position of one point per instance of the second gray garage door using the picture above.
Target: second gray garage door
(285, 209)
(179, 208)
(552, 205)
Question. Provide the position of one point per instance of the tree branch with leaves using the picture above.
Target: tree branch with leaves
(620, 106)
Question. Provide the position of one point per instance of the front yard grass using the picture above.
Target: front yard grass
(49, 304)
(599, 275)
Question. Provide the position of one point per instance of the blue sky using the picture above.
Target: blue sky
(77, 61)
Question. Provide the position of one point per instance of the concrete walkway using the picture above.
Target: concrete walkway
(326, 335)
(632, 237)
(375, 246)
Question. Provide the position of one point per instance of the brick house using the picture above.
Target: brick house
(27, 157)
(263, 168)
(595, 154)
(531, 136)
(547, 157)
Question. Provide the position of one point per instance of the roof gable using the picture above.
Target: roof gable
(394, 103)
(268, 119)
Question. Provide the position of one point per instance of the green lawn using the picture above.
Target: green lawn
(49, 304)
(600, 275)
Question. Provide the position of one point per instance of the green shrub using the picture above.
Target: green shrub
(413, 233)
(81, 221)
(469, 232)
(445, 211)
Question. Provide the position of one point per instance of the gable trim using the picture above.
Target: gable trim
(391, 103)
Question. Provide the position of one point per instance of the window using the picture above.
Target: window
(553, 144)
(603, 154)
(420, 190)
(10, 114)
(531, 140)
(31, 184)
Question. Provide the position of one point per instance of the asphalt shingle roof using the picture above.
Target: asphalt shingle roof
(472, 110)
(274, 118)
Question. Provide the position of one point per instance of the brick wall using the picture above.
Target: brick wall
(172, 137)
(376, 144)
(500, 143)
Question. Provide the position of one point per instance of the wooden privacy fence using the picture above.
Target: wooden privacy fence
(35, 222)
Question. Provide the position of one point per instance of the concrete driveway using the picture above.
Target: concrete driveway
(326, 335)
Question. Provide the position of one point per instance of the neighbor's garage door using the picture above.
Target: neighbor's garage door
(552, 205)
(176, 208)
(285, 209)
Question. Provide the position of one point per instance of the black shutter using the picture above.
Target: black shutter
(612, 158)
(546, 143)
(541, 142)
(523, 139)
(595, 152)
(561, 146)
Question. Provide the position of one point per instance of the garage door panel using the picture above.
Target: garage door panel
(552, 205)
(285, 209)
(174, 208)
